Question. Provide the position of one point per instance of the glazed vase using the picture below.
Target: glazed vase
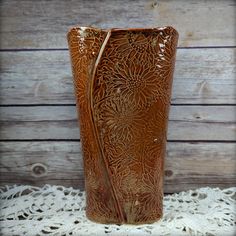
(123, 80)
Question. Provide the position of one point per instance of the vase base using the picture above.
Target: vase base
(100, 220)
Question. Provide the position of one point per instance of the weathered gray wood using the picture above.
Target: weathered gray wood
(192, 165)
(60, 122)
(202, 76)
(188, 165)
(44, 24)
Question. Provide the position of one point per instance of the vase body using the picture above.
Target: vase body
(123, 80)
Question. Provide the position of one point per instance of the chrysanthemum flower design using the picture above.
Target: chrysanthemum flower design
(119, 118)
(139, 45)
(136, 82)
(84, 47)
(150, 198)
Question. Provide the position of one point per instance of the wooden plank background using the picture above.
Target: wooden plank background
(202, 76)
(39, 134)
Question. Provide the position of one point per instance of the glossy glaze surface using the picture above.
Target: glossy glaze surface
(123, 80)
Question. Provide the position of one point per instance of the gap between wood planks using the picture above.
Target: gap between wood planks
(73, 104)
(78, 140)
(66, 49)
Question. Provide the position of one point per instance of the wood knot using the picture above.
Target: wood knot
(168, 173)
(154, 5)
(39, 170)
(197, 116)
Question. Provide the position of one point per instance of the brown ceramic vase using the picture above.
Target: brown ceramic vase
(123, 80)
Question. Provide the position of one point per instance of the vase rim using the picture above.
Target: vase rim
(123, 29)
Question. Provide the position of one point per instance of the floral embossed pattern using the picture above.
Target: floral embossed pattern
(123, 81)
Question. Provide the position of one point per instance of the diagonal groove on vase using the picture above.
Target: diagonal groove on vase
(121, 215)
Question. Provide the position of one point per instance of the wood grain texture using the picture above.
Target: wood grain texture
(202, 76)
(60, 122)
(188, 165)
(44, 24)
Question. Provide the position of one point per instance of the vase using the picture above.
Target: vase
(123, 80)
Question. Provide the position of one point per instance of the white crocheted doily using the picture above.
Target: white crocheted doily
(56, 210)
